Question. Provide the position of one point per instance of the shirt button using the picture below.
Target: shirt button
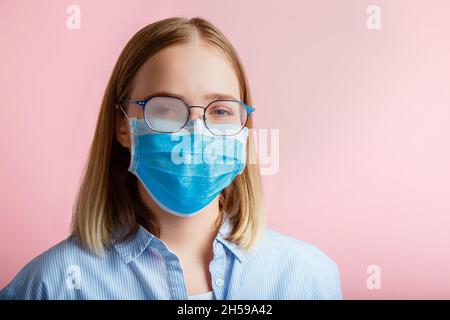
(220, 282)
(219, 247)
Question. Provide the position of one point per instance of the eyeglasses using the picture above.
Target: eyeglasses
(168, 114)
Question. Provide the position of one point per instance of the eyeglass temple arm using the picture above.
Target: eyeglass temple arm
(248, 108)
(140, 103)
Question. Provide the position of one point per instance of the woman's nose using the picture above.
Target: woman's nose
(196, 113)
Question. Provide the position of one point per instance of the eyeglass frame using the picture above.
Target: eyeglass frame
(143, 103)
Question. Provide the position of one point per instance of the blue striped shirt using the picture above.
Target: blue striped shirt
(279, 267)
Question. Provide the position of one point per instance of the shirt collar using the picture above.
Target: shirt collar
(132, 248)
(224, 231)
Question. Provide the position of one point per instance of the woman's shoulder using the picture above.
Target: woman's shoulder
(61, 255)
(277, 243)
(298, 261)
(56, 267)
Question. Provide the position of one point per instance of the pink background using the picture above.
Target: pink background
(363, 116)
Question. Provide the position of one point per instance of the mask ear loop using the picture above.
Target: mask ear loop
(119, 106)
(123, 111)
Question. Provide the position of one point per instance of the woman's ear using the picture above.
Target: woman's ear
(122, 131)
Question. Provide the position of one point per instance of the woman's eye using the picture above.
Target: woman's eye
(221, 112)
(162, 110)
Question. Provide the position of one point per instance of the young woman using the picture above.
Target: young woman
(169, 206)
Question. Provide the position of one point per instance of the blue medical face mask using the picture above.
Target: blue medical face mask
(185, 171)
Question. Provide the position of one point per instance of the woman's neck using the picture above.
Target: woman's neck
(191, 233)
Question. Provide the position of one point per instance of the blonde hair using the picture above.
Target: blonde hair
(108, 196)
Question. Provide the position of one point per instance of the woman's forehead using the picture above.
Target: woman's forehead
(191, 70)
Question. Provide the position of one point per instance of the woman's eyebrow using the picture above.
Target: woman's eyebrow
(209, 96)
(215, 96)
